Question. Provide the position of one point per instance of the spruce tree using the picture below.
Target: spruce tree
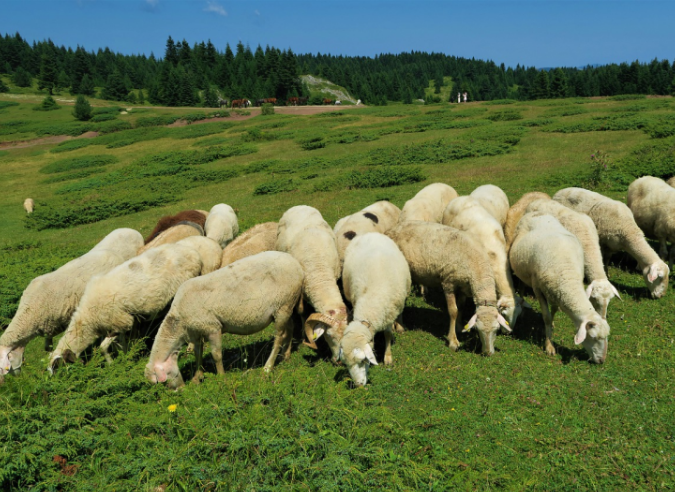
(140, 98)
(47, 76)
(210, 98)
(22, 78)
(82, 110)
(171, 53)
(558, 83)
(62, 81)
(86, 86)
(3, 86)
(541, 87)
(114, 89)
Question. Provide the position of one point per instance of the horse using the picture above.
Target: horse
(338, 102)
(260, 102)
(302, 101)
(271, 100)
(239, 103)
(223, 102)
(293, 101)
(327, 101)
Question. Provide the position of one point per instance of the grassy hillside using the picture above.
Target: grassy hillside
(435, 420)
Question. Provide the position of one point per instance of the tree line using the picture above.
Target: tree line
(201, 74)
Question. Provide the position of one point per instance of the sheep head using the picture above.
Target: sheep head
(165, 372)
(356, 352)
(600, 292)
(510, 308)
(593, 332)
(656, 277)
(10, 360)
(332, 324)
(487, 321)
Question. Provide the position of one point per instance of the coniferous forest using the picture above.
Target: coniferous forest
(198, 75)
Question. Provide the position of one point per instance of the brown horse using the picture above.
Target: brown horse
(292, 101)
(271, 100)
(239, 103)
(169, 221)
(328, 101)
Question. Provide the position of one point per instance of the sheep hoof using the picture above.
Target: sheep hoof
(398, 328)
(454, 346)
(550, 349)
(388, 360)
(190, 348)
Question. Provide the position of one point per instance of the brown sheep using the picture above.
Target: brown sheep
(168, 221)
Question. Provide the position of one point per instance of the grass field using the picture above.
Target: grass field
(435, 420)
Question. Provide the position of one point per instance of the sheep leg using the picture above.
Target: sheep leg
(284, 332)
(548, 321)
(388, 359)
(606, 255)
(453, 312)
(199, 372)
(216, 341)
(123, 341)
(671, 257)
(49, 344)
(663, 249)
(398, 324)
(105, 348)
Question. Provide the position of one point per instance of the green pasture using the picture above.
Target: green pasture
(435, 420)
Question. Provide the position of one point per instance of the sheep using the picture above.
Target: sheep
(196, 217)
(516, 211)
(339, 223)
(671, 181)
(173, 235)
(440, 255)
(221, 224)
(259, 238)
(652, 202)
(304, 234)
(29, 205)
(376, 280)
(49, 301)
(428, 205)
(467, 214)
(242, 298)
(139, 287)
(600, 291)
(550, 259)
(618, 231)
(378, 217)
(494, 200)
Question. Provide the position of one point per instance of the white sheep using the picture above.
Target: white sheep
(442, 256)
(243, 298)
(516, 211)
(378, 217)
(339, 223)
(429, 203)
(49, 301)
(652, 202)
(467, 214)
(376, 280)
(494, 200)
(618, 231)
(550, 259)
(139, 287)
(259, 238)
(29, 205)
(309, 239)
(221, 224)
(600, 291)
(173, 235)
(671, 181)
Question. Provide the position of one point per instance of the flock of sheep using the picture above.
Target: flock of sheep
(468, 246)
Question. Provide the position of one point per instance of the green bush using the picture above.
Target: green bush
(69, 145)
(82, 110)
(163, 120)
(275, 186)
(3, 87)
(381, 177)
(7, 104)
(78, 163)
(499, 102)
(267, 109)
(627, 97)
(108, 110)
(48, 104)
(103, 117)
(508, 115)
(312, 143)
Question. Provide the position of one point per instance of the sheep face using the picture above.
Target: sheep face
(510, 309)
(593, 334)
(10, 360)
(600, 292)
(487, 321)
(165, 372)
(358, 360)
(656, 277)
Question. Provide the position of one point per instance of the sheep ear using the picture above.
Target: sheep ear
(503, 323)
(341, 354)
(581, 334)
(358, 354)
(471, 322)
(589, 290)
(616, 292)
(318, 331)
(370, 355)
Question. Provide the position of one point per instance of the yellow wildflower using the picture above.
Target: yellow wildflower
(172, 408)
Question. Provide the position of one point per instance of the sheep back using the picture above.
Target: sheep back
(259, 238)
(221, 225)
(516, 212)
(428, 204)
(169, 221)
(494, 200)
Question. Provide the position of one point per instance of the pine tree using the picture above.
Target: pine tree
(140, 98)
(62, 81)
(114, 89)
(541, 87)
(210, 98)
(558, 83)
(82, 110)
(79, 69)
(3, 86)
(22, 78)
(171, 53)
(86, 86)
(47, 76)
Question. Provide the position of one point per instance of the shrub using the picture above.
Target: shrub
(103, 117)
(7, 104)
(312, 143)
(628, 97)
(48, 104)
(499, 102)
(69, 145)
(267, 109)
(508, 115)
(156, 120)
(82, 110)
(108, 110)
(382, 177)
(275, 186)
(78, 163)
(3, 87)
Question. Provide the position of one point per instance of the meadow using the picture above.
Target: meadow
(435, 420)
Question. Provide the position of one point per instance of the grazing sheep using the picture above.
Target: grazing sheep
(339, 223)
(304, 234)
(49, 301)
(618, 231)
(600, 291)
(671, 181)
(173, 235)
(29, 205)
(494, 200)
(428, 205)
(139, 287)
(439, 255)
(259, 238)
(243, 298)
(376, 280)
(185, 217)
(550, 259)
(221, 224)
(378, 217)
(652, 202)
(516, 211)
(467, 214)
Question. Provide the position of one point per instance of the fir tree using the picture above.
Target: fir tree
(541, 87)
(558, 83)
(114, 89)
(140, 98)
(86, 86)
(22, 78)
(210, 98)
(62, 81)
(3, 86)
(47, 76)
(82, 110)
(171, 53)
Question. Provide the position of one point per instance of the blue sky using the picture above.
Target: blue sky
(541, 33)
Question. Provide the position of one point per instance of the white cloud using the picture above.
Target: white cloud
(215, 7)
